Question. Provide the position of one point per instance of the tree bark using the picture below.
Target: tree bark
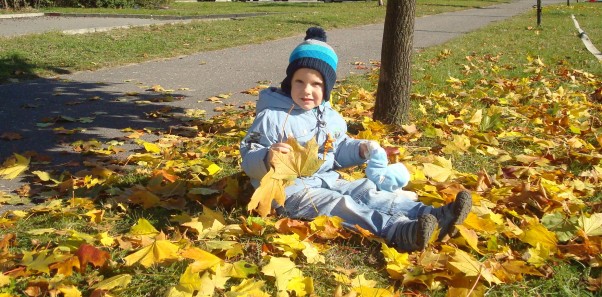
(395, 82)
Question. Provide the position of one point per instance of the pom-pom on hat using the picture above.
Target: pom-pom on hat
(316, 54)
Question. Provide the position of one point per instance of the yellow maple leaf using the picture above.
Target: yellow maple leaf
(270, 189)
(471, 237)
(143, 227)
(312, 254)
(69, 291)
(538, 255)
(216, 278)
(477, 117)
(396, 262)
(302, 286)
(240, 269)
(537, 234)
(327, 227)
(248, 287)
(105, 239)
(361, 280)
(210, 217)
(12, 167)
(203, 260)
(4, 280)
(195, 224)
(66, 267)
(144, 197)
(155, 253)
(117, 281)
(375, 292)
(95, 215)
(284, 270)
(151, 147)
(299, 162)
(459, 145)
(471, 267)
(190, 280)
(592, 225)
(41, 261)
(528, 160)
(436, 172)
(290, 243)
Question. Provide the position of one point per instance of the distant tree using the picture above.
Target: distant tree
(395, 82)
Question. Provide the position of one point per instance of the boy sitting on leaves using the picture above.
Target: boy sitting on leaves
(300, 109)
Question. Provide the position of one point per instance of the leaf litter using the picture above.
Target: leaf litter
(536, 198)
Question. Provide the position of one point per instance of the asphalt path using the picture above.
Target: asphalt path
(71, 25)
(98, 100)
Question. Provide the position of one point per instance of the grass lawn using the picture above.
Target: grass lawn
(44, 55)
(516, 120)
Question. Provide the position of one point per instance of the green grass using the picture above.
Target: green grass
(43, 55)
(555, 42)
(566, 281)
(475, 55)
(212, 8)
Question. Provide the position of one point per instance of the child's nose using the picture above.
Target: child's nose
(307, 89)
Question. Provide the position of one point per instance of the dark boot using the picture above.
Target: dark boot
(453, 214)
(414, 235)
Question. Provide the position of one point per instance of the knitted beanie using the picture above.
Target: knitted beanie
(316, 54)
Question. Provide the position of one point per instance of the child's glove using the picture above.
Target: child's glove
(386, 177)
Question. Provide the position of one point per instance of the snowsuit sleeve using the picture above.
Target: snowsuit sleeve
(347, 150)
(255, 145)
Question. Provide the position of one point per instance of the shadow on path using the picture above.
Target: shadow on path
(61, 124)
(17, 66)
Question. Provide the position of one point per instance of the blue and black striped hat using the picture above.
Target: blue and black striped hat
(313, 53)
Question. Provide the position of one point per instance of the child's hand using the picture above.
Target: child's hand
(281, 147)
(386, 177)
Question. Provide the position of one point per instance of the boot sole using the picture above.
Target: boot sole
(462, 207)
(426, 226)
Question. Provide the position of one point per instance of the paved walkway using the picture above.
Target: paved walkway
(79, 23)
(195, 78)
(73, 25)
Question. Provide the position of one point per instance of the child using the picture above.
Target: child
(301, 109)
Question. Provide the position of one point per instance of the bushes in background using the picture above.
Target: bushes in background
(21, 4)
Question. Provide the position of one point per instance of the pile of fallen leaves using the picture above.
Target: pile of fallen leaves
(537, 202)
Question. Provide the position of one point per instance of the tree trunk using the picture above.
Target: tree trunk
(381, 3)
(394, 84)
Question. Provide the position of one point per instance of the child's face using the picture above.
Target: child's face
(307, 88)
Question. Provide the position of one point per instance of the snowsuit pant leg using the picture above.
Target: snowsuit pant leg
(356, 202)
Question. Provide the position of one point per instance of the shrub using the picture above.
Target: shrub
(21, 4)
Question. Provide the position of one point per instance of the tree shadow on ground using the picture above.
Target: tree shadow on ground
(15, 67)
(56, 121)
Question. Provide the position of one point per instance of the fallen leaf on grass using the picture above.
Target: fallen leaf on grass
(156, 253)
(90, 254)
(11, 136)
(14, 166)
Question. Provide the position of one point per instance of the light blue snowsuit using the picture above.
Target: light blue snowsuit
(324, 193)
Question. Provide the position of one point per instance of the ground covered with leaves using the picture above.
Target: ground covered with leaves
(171, 219)
(154, 229)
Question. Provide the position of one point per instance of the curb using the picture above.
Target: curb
(157, 17)
(105, 29)
(21, 15)
(138, 16)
